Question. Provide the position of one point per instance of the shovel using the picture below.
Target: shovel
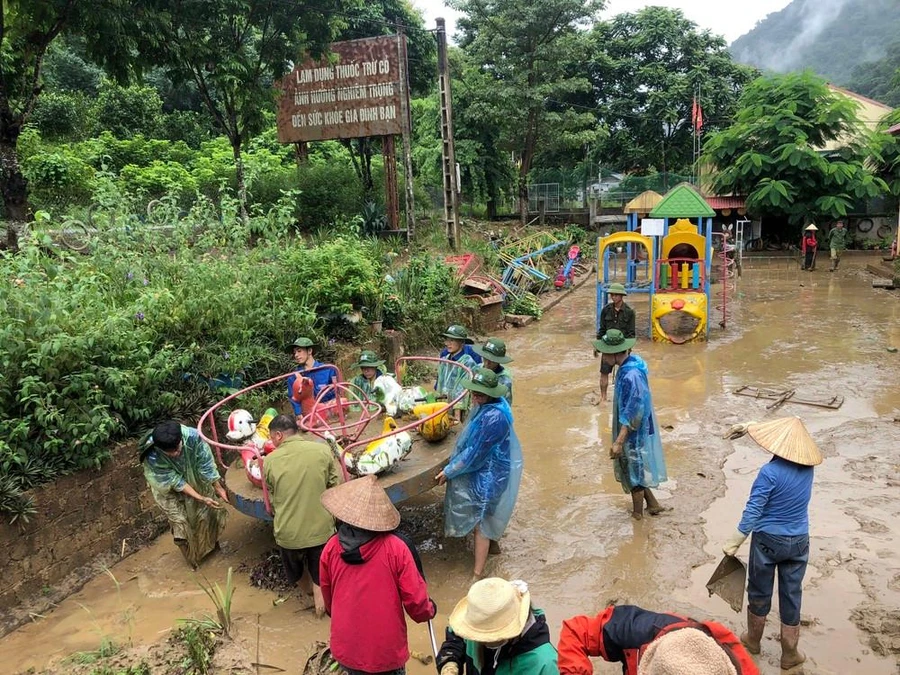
(728, 582)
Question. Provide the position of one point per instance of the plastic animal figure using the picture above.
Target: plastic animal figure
(382, 455)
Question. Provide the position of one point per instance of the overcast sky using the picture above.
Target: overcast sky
(731, 19)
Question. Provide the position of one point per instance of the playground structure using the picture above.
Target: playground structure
(667, 257)
(342, 423)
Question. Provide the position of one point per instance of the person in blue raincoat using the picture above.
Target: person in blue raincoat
(302, 351)
(637, 449)
(457, 348)
(484, 470)
(494, 357)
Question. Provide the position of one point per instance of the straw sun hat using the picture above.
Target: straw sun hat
(786, 438)
(362, 503)
(812, 228)
(493, 610)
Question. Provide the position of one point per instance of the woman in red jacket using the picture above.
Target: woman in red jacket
(369, 575)
(809, 246)
(647, 643)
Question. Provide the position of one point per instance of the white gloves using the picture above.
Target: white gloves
(734, 543)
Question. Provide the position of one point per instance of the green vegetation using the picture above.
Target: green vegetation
(879, 79)
(831, 38)
(772, 152)
(221, 599)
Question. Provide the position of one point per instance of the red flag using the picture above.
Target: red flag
(697, 115)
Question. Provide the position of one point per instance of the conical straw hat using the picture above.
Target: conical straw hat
(786, 438)
(362, 503)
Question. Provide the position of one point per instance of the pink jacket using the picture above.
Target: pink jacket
(365, 592)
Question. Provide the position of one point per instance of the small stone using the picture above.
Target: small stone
(892, 350)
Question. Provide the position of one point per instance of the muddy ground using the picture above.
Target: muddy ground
(572, 538)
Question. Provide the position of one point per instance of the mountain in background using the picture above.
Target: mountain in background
(831, 37)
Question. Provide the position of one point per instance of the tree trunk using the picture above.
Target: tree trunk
(13, 186)
(241, 182)
(523, 195)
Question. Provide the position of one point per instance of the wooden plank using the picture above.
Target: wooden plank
(880, 271)
(787, 397)
(887, 284)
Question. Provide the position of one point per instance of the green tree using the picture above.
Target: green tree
(27, 29)
(775, 152)
(886, 150)
(386, 18)
(521, 53)
(645, 69)
(879, 79)
(233, 51)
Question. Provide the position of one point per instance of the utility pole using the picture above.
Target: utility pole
(407, 130)
(448, 153)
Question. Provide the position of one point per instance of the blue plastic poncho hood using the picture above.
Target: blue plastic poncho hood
(484, 473)
(641, 463)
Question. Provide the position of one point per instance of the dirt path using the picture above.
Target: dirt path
(572, 538)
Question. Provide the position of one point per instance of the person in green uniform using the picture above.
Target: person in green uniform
(493, 357)
(837, 242)
(184, 481)
(296, 475)
(450, 379)
(370, 368)
(618, 315)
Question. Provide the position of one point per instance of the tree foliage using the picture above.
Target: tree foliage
(645, 69)
(232, 51)
(886, 150)
(522, 54)
(879, 79)
(775, 152)
(27, 29)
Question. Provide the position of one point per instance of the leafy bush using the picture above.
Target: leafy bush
(424, 300)
(61, 115)
(328, 192)
(126, 111)
(58, 178)
(158, 179)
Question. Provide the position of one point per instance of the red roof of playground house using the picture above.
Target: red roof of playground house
(719, 203)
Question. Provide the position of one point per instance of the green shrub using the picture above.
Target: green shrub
(158, 179)
(62, 116)
(328, 192)
(126, 111)
(58, 179)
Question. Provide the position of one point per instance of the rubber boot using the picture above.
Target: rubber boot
(637, 501)
(791, 657)
(755, 627)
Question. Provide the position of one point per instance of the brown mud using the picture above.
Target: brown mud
(571, 537)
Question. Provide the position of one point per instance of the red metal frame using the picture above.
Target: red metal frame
(214, 441)
(337, 387)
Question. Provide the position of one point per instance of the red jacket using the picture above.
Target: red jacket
(365, 592)
(809, 242)
(622, 633)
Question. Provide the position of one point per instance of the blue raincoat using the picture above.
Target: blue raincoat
(450, 379)
(483, 474)
(641, 463)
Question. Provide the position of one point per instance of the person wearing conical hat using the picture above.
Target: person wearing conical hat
(617, 314)
(457, 348)
(650, 643)
(484, 470)
(636, 451)
(370, 368)
(370, 574)
(493, 357)
(777, 515)
(809, 246)
(495, 629)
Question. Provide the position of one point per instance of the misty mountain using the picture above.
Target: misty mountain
(829, 36)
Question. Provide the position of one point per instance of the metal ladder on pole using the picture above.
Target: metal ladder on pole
(448, 154)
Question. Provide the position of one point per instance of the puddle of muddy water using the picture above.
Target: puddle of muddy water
(572, 538)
